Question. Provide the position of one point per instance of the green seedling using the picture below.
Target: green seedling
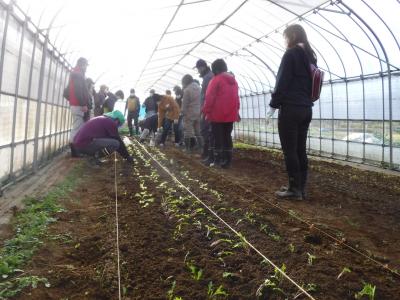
(310, 287)
(170, 292)
(368, 290)
(344, 270)
(213, 292)
(217, 242)
(195, 271)
(291, 248)
(230, 275)
(310, 258)
(267, 287)
(249, 216)
(11, 288)
(242, 244)
(210, 229)
(278, 273)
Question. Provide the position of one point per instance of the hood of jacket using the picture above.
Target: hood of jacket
(227, 78)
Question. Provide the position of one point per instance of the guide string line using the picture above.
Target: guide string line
(224, 222)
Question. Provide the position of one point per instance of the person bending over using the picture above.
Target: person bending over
(99, 137)
(168, 116)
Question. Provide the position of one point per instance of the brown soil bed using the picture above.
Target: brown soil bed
(164, 232)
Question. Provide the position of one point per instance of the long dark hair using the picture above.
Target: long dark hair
(296, 34)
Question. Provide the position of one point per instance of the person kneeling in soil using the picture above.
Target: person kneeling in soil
(168, 116)
(99, 137)
(148, 126)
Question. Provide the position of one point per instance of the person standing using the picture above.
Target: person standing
(78, 96)
(221, 108)
(150, 105)
(191, 112)
(99, 100)
(109, 103)
(292, 96)
(178, 98)
(92, 93)
(168, 116)
(133, 107)
(208, 149)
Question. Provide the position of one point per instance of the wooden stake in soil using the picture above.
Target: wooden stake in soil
(116, 223)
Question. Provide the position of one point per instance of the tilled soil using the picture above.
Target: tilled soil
(171, 246)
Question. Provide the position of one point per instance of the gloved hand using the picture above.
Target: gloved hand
(269, 115)
(176, 122)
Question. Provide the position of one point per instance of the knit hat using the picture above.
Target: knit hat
(116, 115)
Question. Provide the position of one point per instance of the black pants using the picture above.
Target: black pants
(222, 133)
(103, 145)
(208, 137)
(132, 115)
(166, 127)
(293, 123)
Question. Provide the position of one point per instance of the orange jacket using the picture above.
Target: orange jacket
(167, 108)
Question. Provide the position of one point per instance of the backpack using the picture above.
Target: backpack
(317, 79)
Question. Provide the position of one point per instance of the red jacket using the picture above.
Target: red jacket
(222, 99)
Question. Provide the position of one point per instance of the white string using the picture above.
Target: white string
(116, 222)
(227, 225)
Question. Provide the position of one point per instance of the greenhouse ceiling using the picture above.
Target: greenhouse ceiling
(153, 43)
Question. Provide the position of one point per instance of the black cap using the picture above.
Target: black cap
(201, 63)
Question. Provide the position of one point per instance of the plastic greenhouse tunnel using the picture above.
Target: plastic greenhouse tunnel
(199, 149)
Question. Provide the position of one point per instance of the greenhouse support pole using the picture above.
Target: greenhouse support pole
(14, 124)
(39, 104)
(3, 43)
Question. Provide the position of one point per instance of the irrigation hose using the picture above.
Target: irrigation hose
(224, 222)
(116, 224)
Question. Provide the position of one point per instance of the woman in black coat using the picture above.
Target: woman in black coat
(292, 96)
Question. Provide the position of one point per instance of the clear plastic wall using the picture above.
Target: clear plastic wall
(34, 117)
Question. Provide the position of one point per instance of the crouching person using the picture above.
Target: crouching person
(221, 108)
(99, 137)
(148, 126)
(168, 116)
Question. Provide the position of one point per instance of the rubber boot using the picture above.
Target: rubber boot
(303, 183)
(209, 161)
(188, 146)
(205, 153)
(294, 189)
(193, 143)
(130, 131)
(218, 159)
(74, 152)
(226, 164)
